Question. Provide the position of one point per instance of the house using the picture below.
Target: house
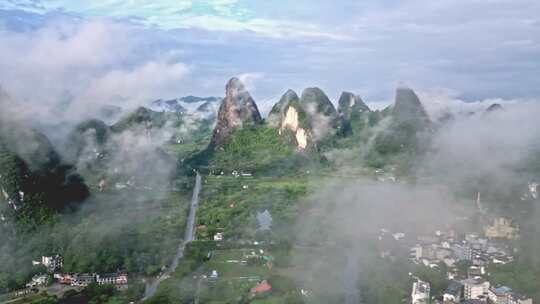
(476, 271)
(38, 280)
(475, 288)
(117, 278)
(398, 236)
(218, 237)
(83, 280)
(505, 295)
(52, 263)
(499, 295)
(420, 292)
(64, 278)
(449, 262)
(462, 252)
(453, 293)
(416, 252)
(516, 298)
(533, 189)
(262, 287)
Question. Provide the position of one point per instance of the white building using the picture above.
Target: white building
(462, 252)
(505, 295)
(52, 263)
(118, 278)
(475, 289)
(416, 252)
(398, 236)
(420, 292)
(533, 189)
(83, 280)
(38, 280)
(218, 237)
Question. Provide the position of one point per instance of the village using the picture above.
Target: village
(54, 264)
(464, 260)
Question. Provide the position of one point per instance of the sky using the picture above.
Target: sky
(132, 51)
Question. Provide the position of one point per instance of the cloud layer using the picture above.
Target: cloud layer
(82, 66)
(477, 50)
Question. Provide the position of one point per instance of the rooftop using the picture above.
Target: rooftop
(454, 288)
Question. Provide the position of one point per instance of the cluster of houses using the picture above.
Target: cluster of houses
(81, 280)
(477, 252)
(468, 291)
(446, 248)
(478, 290)
(55, 263)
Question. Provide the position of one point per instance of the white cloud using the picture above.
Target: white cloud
(97, 62)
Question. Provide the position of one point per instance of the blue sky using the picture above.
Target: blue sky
(138, 49)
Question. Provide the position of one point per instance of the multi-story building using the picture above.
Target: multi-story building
(501, 228)
(420, 292)
(38, 280)
(83, 280)
(52, 263)
(462, 252)
(64, 278)
(516, 298)
(118, 278)
(474, 288)
(505, 295)
(454, 293)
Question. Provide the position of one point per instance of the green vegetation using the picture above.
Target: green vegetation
(235, 280)
(38, 192)
(260, 150)
(136, 231)
(230, 204)
(92, 294)
(145, 118)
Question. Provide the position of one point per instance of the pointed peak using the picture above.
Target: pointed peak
(290, 95)
(290, 91)
(237, 110)
(313, 90)
(350, 102)
(235, 84)
(408, 96)
(494, 107)
(408, 106)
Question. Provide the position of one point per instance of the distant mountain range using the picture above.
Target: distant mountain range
(29, 163)
(187, 105)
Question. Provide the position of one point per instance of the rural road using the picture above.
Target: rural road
(189, 236)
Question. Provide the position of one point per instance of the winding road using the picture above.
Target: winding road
(189, 236)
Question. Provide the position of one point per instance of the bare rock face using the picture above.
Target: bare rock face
(289, 117)
(350, 103)
(350, 110)
(237, 110)
(279, 109)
